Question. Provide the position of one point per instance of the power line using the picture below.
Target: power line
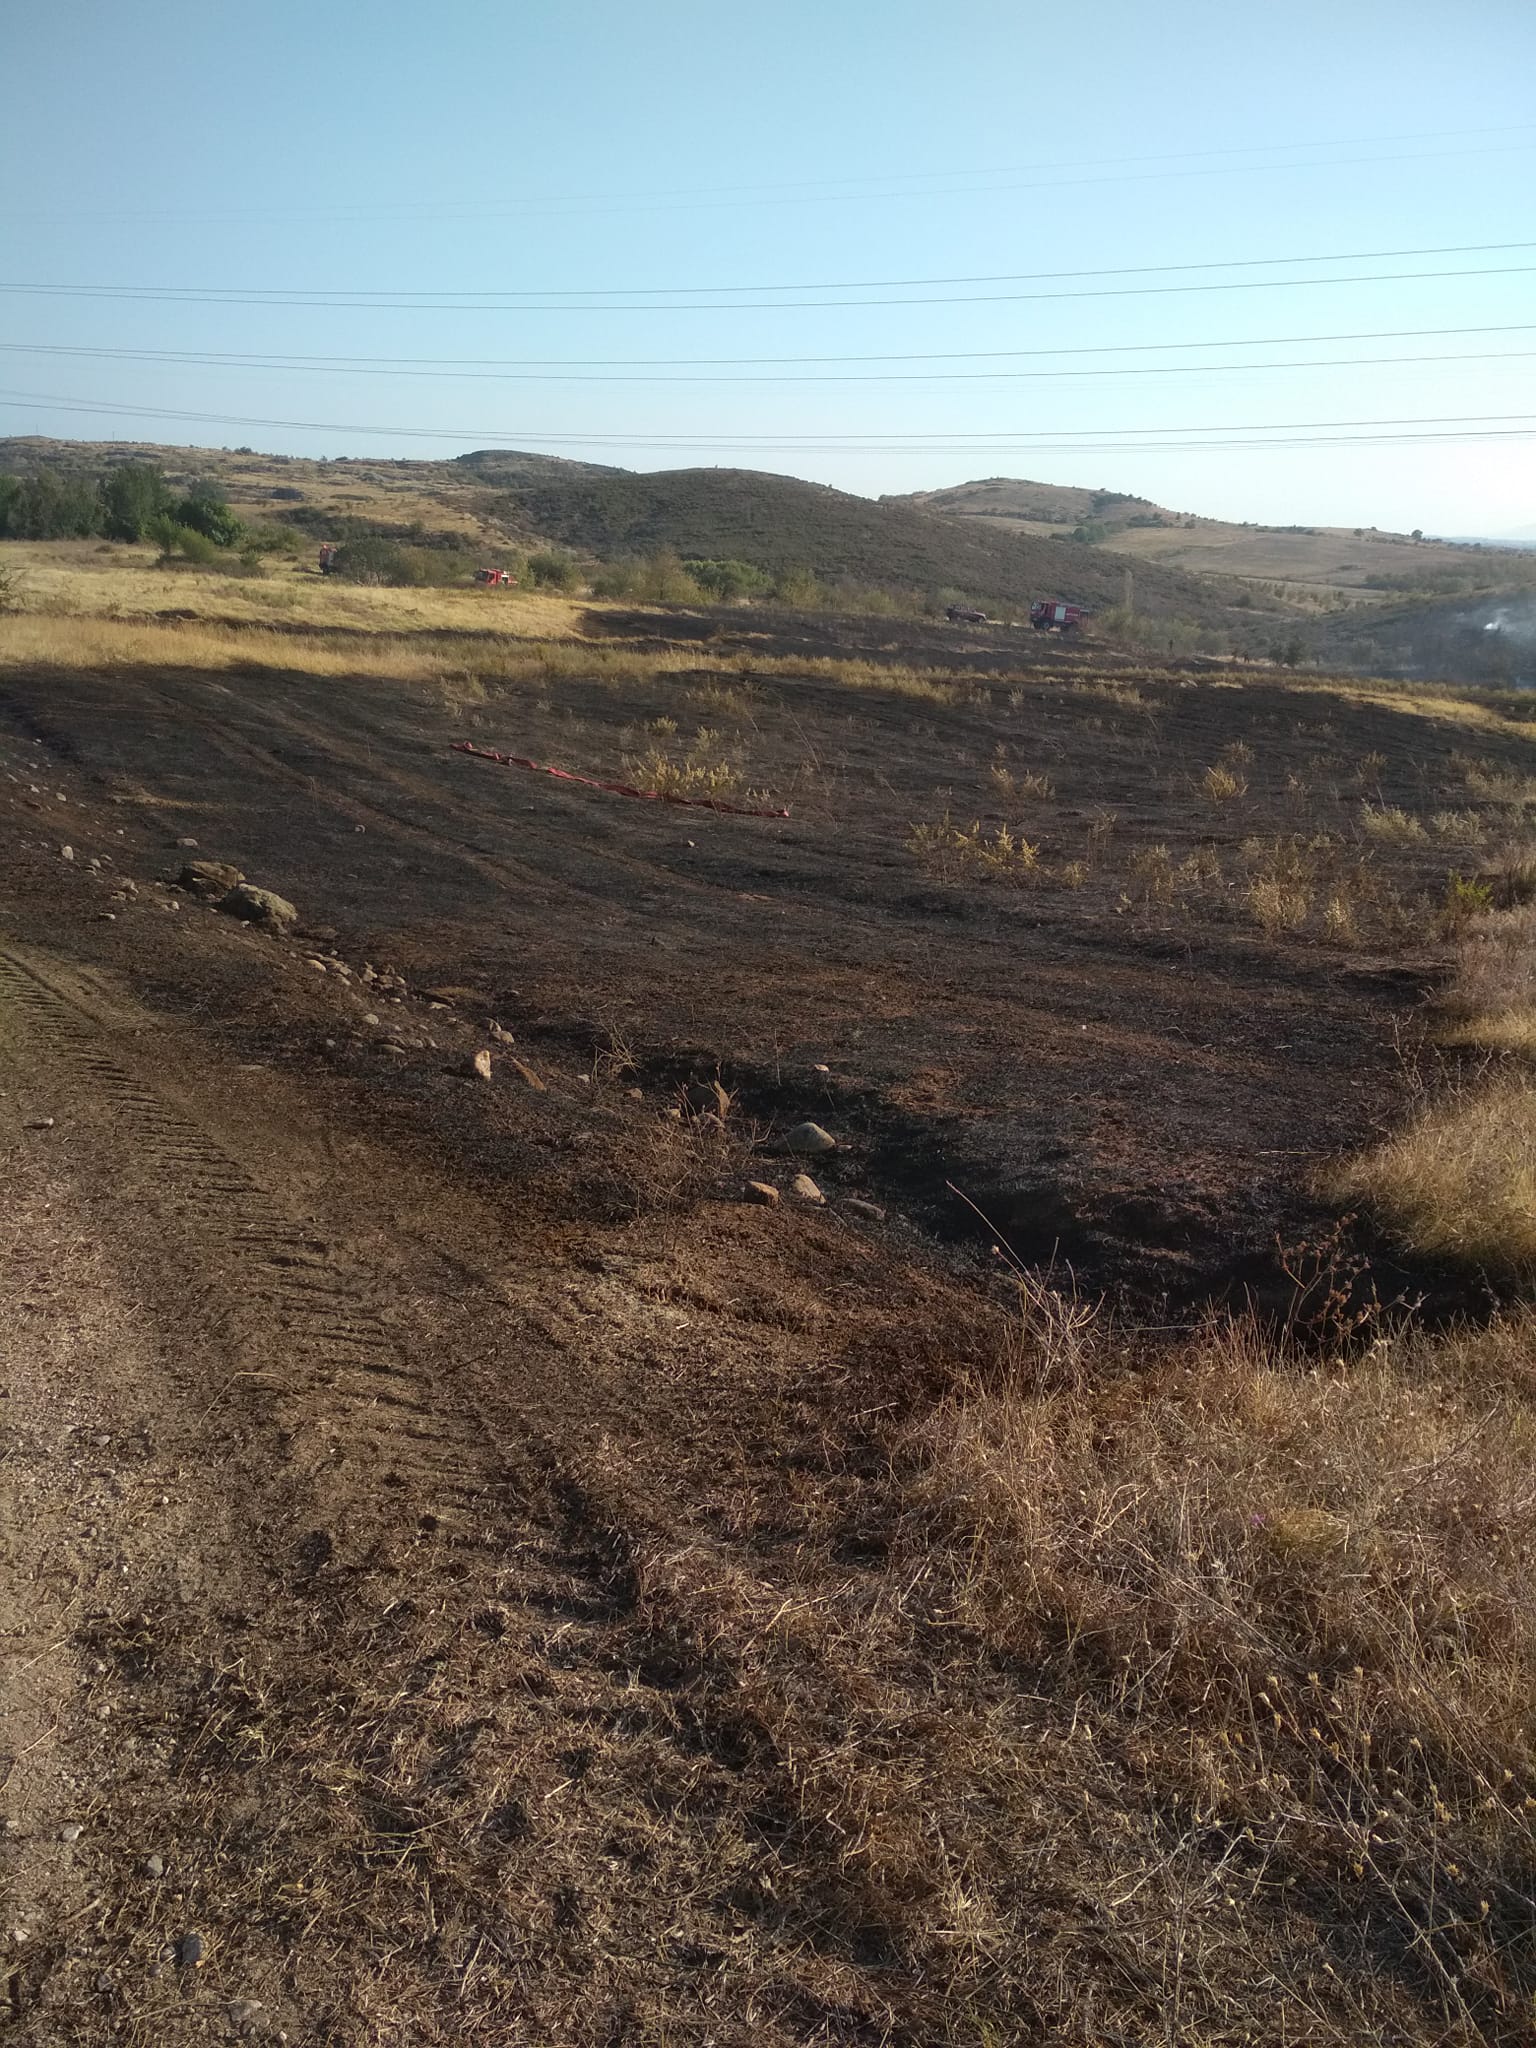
(786, 191)
(511, 300)
(317, 366)
(1316, 433)
(249, 359)
(764, 305)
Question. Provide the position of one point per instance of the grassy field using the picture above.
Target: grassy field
(1095, 1608)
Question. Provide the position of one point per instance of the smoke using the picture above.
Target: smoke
(1514, 623)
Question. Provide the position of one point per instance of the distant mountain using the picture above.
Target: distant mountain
(1020, 498)
(780, 522)
(1340, 562)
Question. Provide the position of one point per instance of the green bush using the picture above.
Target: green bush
(131, 495)
(184, 542)
(206, 510)
(550, 571)
(728, 580)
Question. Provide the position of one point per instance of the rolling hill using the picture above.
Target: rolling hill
(1335, 563)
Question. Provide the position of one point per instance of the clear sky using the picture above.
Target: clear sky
(579, 223)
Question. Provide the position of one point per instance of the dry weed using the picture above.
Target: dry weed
(1460, 1179)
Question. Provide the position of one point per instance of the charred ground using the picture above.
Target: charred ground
(521, 1591)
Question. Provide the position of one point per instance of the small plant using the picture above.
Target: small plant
(1465, 898)
(1456, 825)
(700, 772)
(1152, 875)
(1074, 874)
(10, 592)
(968, 847)
(1385, 822)
(1278, 905)
(1338, 920)
(1223, 785)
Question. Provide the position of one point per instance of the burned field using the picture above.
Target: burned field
(521, 1589)
(1118, 955)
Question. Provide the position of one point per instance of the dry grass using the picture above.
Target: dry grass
(971, 849)
(701, 770)
(1295, 1599)
(1460, 1179)
(1391, 825)
(1222, 784)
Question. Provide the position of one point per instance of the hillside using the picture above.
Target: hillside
(493, 498)
(779, 522)
(1339, 563)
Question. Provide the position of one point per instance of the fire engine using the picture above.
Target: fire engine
(498, 579)
(1048, 616)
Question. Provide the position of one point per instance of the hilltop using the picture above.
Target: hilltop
(1337, 564)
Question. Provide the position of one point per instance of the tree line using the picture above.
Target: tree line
(130, 502)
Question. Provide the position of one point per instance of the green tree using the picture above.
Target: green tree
(131, 496)
(207, 511)
(51, 507)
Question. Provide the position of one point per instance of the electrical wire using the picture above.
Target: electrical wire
(1314, 433)
(317, 367)
(785, 191)
(496, 301)
(247, 358)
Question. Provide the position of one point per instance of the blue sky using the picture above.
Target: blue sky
(661, 175)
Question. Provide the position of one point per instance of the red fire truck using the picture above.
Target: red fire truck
(1051, 617)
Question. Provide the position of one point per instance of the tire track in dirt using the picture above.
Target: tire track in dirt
(336, 1367)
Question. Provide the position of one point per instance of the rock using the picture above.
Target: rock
(370, 1017)
(764, 1192)
(190, 1951)
(529, 1076)
(809, 1140)
(259, 906)
(153, 1866)
(480, 1066)
(209, 877)
(860, 1207)
(804, 1189)
(71, 1831)
(66, 853)
(186, 842)
(502, 1037)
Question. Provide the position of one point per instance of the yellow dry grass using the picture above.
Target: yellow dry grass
(1460, 1179)
(127, 584)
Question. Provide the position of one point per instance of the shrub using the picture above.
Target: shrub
(132, 495)
(550, 571)
(206, 510)
(728, 581)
